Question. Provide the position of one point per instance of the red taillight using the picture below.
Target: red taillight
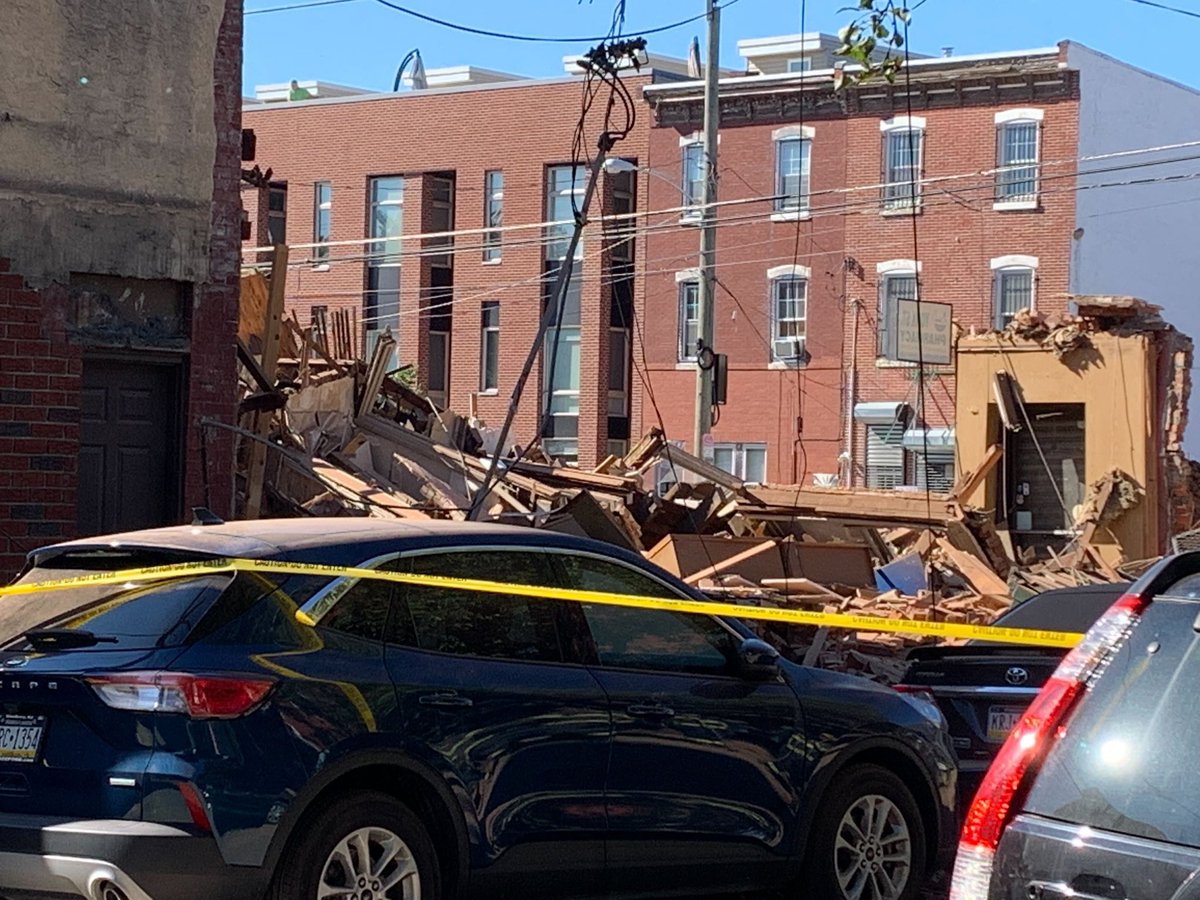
(198, 696)
(1042, 723)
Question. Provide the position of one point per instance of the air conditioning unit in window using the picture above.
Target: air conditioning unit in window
(790, 349)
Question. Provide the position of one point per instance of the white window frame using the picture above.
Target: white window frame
(378, 255)
(493, 203)
(895, 197)
(775, 277)
(888, 315)
(1004, 119)
(322, 208)
(1011, 264)
(803, 135)
(688, 277)
(800, 64)
(739, 449)
(692, 188)
(561, 234)
(485, 330)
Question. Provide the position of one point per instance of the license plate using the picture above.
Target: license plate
(1002, 720)
(20, 738)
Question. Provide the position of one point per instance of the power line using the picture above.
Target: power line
(309, 5)
(1174, 9)
(539, 39)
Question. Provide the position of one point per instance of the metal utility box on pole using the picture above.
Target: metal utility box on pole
(708, 235)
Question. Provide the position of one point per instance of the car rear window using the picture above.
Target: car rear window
(142, 616)
(1127, 760)
(1062, 610)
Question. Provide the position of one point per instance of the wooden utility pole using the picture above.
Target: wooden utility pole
(705, 359)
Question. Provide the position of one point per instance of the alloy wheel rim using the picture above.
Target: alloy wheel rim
(370, 864)
(873, 850)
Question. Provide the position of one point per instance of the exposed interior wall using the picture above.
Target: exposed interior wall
(1137, 239)
(1116, 380)
(106, 138)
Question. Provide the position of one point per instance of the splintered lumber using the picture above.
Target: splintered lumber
(272, 330)
(732, 561)
(977, 574)
(645, 451)
(378, 502)
(887, 508)
(376, 372)
(969, 482)
(706, 470)
(799, 585)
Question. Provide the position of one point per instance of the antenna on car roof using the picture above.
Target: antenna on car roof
(203, 516)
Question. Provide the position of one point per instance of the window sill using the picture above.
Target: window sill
(490, 392)
(882, 362)
(893, 212)
(791, 215)
(320, 267)
(778, 365)
(1012, 205)
(691, 220)
(686, 365)
(492, 262)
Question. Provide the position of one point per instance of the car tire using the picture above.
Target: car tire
(868, 832)
(342, 844)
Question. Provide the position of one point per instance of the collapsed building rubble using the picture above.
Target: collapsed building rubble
(341, 436)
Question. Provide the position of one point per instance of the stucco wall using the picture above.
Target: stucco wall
(1137, 238)
(1117, 383)
(106, 137)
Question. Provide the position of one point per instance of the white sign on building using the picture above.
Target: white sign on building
(930, 343)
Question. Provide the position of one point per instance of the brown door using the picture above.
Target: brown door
(129, 472)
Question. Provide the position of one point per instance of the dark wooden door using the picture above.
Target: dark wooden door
(129, 472)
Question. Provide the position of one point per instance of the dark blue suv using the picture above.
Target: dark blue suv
(191, 738)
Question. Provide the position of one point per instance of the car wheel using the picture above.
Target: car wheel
(868, 840)
(362, 846)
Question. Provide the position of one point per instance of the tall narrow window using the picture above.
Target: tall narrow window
(789, 308)
(693, 177)
(277, 212)
(1017, 133)
(565, 187)
(441, 326)
(1014, 292)
(489, 351)
(895, 284)
(792, 165)
(322, 216)
(493, 187)
(381, 310)
(624, 203)
(689, 319)
(441, 219)
(902, 148)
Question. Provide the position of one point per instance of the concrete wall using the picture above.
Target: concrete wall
(106, 138)
(1117, 382)
(1138, 238)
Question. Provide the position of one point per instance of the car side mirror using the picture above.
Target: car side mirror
(757, 660)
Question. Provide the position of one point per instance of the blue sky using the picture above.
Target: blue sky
(360, 43)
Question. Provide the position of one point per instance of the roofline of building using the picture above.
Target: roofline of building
(252, 105)
(933, 63)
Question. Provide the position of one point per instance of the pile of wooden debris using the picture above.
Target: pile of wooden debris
(323, 434)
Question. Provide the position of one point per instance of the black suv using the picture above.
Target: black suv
(193, 738)
(1096, 794)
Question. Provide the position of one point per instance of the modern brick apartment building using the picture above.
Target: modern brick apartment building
(119, 253)
(818, 245)
(816, 239)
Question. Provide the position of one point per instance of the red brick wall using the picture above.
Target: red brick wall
(801, 413)
(521, 130)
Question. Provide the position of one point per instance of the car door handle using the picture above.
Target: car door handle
(445, 699)
(650, 710)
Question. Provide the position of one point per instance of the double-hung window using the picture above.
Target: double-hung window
(322, 217)
(745, 461)
(903, 145)
(1017, 140)
(897, 281)
(789, 309)
(693, 177)
(493, 187)
(793, 153)
(689, 314)
(1014, 279)
(489, 349)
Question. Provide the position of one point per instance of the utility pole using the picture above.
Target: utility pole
(705, 359)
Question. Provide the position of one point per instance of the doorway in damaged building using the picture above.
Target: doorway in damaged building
(1044, 474)
(131, 439)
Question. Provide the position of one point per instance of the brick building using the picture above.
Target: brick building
(119, 228)
(487, 155)
(1021, 196)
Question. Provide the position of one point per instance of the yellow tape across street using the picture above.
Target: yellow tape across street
(851, 621)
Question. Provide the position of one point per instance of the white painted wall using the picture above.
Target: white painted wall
(1139, 239)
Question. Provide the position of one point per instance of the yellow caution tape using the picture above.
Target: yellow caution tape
(852, 621)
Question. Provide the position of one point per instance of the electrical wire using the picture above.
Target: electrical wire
(1174, 9)
(538, 39)
(308, 5)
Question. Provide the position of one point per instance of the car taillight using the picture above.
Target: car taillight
(920, 697)
(1042, 723)
(198, 696)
